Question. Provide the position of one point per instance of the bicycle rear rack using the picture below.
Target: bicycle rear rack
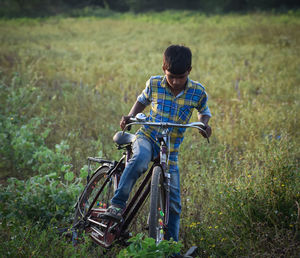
(101, 161)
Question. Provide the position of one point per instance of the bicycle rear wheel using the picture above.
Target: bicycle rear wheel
(90, 191)
(157, 206)
(85, 201)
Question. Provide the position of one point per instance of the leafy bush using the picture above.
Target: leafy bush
(40, 198)
(23, 134)
(25, 149)
(142, 246)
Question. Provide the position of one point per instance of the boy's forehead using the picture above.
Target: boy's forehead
(175, 75)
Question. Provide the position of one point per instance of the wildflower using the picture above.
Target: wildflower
(11, 118)
(201, 239)
(291, 225)
(193, 225)
(275, 178)
(216, 227)
(220, 213)
(210, 227)
(283, 185)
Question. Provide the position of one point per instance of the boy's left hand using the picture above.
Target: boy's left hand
(207, 130)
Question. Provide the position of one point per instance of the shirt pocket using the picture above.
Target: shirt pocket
(184, 113)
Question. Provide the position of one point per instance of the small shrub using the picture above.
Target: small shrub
(40, 198)
(142, 246)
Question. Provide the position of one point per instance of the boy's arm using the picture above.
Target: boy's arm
(204, 119)
(138, 107)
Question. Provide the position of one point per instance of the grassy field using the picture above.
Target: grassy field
(65, 83)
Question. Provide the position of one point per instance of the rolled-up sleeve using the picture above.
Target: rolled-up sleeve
(202, 107)
(146, 95)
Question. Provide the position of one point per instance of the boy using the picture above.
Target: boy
(173, 98)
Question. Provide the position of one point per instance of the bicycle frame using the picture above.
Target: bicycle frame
(114, 230)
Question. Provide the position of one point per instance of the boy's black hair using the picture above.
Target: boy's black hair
(177, 59)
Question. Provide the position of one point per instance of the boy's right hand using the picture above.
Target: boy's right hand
(124, 121)
(207, 129)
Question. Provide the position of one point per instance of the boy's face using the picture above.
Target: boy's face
(177, 81)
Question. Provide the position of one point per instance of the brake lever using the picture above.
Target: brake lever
(203, 130)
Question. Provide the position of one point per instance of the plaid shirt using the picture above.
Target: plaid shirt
(165, 107)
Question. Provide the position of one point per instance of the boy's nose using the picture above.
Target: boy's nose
(175, 81)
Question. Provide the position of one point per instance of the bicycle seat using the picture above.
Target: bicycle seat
(121, 138)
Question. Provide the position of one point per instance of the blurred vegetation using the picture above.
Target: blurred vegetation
(65, 82)
(40, 8)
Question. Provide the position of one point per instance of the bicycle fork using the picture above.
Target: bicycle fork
(164, 154)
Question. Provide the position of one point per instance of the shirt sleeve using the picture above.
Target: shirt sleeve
(146, 95)
(202, 107)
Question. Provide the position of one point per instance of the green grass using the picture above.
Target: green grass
(78, 76)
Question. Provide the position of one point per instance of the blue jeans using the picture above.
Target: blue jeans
(144, 150)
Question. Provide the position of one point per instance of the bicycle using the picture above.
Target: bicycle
(100, 187)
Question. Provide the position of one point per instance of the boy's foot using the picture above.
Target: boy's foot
(113, 213)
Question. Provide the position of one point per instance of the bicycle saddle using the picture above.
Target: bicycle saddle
(123, 138)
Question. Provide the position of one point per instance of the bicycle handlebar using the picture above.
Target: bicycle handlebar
(140, 119)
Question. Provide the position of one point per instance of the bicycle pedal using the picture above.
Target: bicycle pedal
(113, 227)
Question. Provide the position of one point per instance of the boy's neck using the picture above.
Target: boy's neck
(176, 92)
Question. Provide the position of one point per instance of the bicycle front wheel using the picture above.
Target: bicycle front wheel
(157, 205)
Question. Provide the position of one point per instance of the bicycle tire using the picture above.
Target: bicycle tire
(157, 205)
(90, 192)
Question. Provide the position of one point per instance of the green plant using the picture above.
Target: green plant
(24, 136)
(142, 246)
(40, 198)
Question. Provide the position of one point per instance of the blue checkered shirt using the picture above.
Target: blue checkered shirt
(165, 107)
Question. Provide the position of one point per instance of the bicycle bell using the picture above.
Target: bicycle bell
(141, 117)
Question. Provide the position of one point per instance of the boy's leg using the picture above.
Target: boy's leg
(175, 202)
(137, 165)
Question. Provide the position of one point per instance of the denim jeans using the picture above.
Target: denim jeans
(144, 150)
